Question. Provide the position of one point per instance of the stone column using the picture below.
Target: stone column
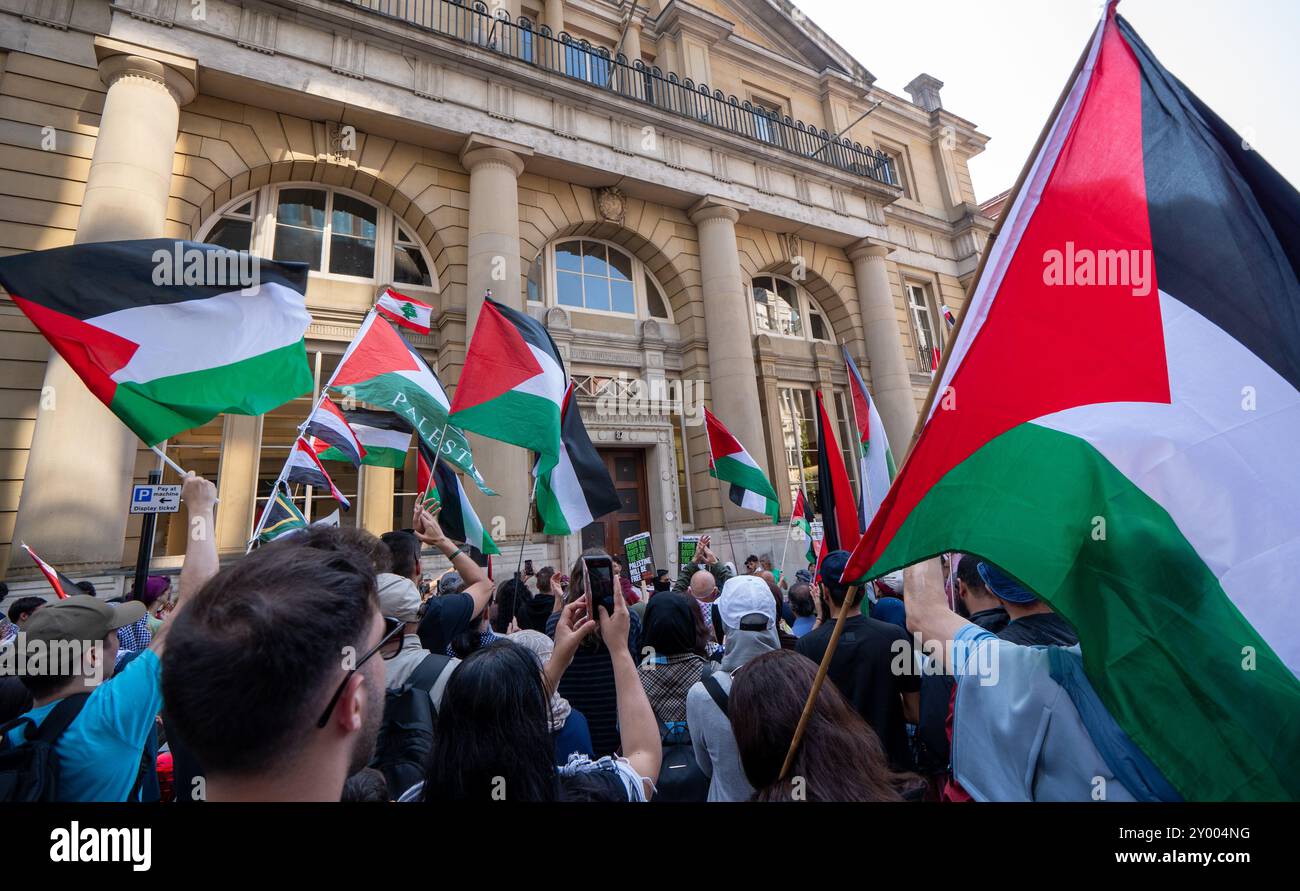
(492, 263)
(73, 509)
(377, 499)
(241, 441)
(632, 39)
(891, 383)
(553, 16)
(733, 384)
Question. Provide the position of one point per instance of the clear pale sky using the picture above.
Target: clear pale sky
(1003, 62)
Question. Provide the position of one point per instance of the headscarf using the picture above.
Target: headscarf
(668, 626)
(542, 647)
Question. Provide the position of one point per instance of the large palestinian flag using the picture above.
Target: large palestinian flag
(381, 368)
(835, 499)
(166, 333)
(730, 463)
(577, 490)
(439, 485)
(1135, 466)
(875, 461)
(513, 383)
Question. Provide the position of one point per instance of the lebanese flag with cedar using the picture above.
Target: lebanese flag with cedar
(1135, 467)
(403, 310)
(513, 383)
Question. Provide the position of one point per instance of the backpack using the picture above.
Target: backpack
(405, 739)
(680, 776)
(30, 772)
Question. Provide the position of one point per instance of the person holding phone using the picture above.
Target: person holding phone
(589, 682)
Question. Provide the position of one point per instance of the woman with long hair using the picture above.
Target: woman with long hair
(675, 658)
(589, 682)
(493, 735)
(840, 757)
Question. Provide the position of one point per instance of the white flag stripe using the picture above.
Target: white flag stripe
(550, 384)
(234, 326)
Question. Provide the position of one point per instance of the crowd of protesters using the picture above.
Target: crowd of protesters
(329, 666)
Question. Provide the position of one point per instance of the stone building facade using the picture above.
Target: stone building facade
(710, 196)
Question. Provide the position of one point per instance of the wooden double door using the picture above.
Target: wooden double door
(627, 469)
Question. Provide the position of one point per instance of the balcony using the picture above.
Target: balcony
(580, 61)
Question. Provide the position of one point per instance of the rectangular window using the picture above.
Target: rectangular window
(683, 471)
(847, 433)
(799, 437)
(918, 303)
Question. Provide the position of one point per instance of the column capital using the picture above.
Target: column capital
(481, 149)
(118, 59)
(868, 248)
(711, 207)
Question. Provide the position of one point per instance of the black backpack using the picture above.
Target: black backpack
(405, 739)
(30, 772)
(680, 776)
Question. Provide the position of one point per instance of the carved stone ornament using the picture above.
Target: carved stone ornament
(612, 204)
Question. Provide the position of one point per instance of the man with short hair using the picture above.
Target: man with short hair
(752, 565)
(984, 609)
(748, 613)
(405, 550)
(100, 753)
(1033, 623)
(801, 601)
(873, 665)
(21, 610)
(450, 615)
(299, 625)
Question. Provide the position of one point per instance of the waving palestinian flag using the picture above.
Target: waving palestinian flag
(403, 310)
(730, 463)
(304, 467)
(802, 516)
(875, 461)
(381, 368)
(385, 435)
(513, 383)
(62, 585)
(328, 425)
(439, 485)
(839, 510)
(577, 490)
(1136, 467)
(163, 354)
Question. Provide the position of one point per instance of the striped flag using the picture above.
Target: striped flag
(513, 383)
(875, 460)
(385, 435)
(577, 490)
(281, 516)
(164, 355)
(834, 491)
(328, 424)
(304, 467)
(948, 316)
(1148, 493)
(730, 463)
(58, 581)
(457, 517)
(403, 310)
(802, 516)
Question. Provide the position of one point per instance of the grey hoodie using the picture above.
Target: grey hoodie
(711, 736)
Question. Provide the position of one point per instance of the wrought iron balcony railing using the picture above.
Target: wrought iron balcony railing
(579, 60)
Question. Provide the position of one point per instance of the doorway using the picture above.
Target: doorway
(627, 469)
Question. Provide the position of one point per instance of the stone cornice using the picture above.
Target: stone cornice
(118, 59)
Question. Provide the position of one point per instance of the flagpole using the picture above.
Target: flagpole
(786, 547)
(528, 522)
(1008, 206)
(938, 375)
(168, 461)
(280, 479)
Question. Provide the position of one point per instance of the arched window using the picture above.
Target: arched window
(782, 307)
(339, 234)
(595, 276)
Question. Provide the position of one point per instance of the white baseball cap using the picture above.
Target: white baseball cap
(745, 595)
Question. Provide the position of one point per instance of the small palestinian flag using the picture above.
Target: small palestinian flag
(948, 316)
(834, 491)
(730, 463)
(164, 354)
(875, 461)
(578, 489)
(304, 467)
(385, 435)
(801, 516)
(513, 383)
(403, 310)
(457, 517)
(328, 425)
(1147, 492)
(281, 516)
(62, 585)
(381, 368)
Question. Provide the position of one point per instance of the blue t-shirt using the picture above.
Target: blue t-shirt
(99, 753)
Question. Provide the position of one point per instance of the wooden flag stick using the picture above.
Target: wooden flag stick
(818, 681)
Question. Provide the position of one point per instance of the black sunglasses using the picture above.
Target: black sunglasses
(390, 644)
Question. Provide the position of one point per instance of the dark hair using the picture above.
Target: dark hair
(349, 538)
(832, 566)
(24, 605)
(46, 682)
(15, 698)
(87, 588)
(752, 558)
(544, 576)
(968, 572)
(801, 599)
(840, 757)
(253, 659)
(510, 596)
(404, 549)
(494, 727)
(672, 624)
(367, 784)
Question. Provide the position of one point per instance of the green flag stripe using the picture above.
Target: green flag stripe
(747, 476)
